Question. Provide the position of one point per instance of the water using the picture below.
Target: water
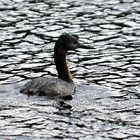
(106, 104)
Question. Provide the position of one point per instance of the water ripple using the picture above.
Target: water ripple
(106, 104)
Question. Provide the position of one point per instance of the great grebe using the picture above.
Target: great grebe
(63, 86)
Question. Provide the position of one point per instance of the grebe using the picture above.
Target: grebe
(63, 86)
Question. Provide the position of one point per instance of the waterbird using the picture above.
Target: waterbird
(63, 86)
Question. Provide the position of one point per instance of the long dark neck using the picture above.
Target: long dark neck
(61, 64)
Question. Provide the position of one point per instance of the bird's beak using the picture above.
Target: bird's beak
(84, 46)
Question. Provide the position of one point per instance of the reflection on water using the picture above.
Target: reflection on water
(106, 104)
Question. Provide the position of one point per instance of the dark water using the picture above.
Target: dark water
(106, 105)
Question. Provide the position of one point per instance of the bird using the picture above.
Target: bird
(63, 86)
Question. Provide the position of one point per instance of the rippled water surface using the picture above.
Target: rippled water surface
(107, 101)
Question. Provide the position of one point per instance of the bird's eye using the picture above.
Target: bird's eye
(75, 41)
